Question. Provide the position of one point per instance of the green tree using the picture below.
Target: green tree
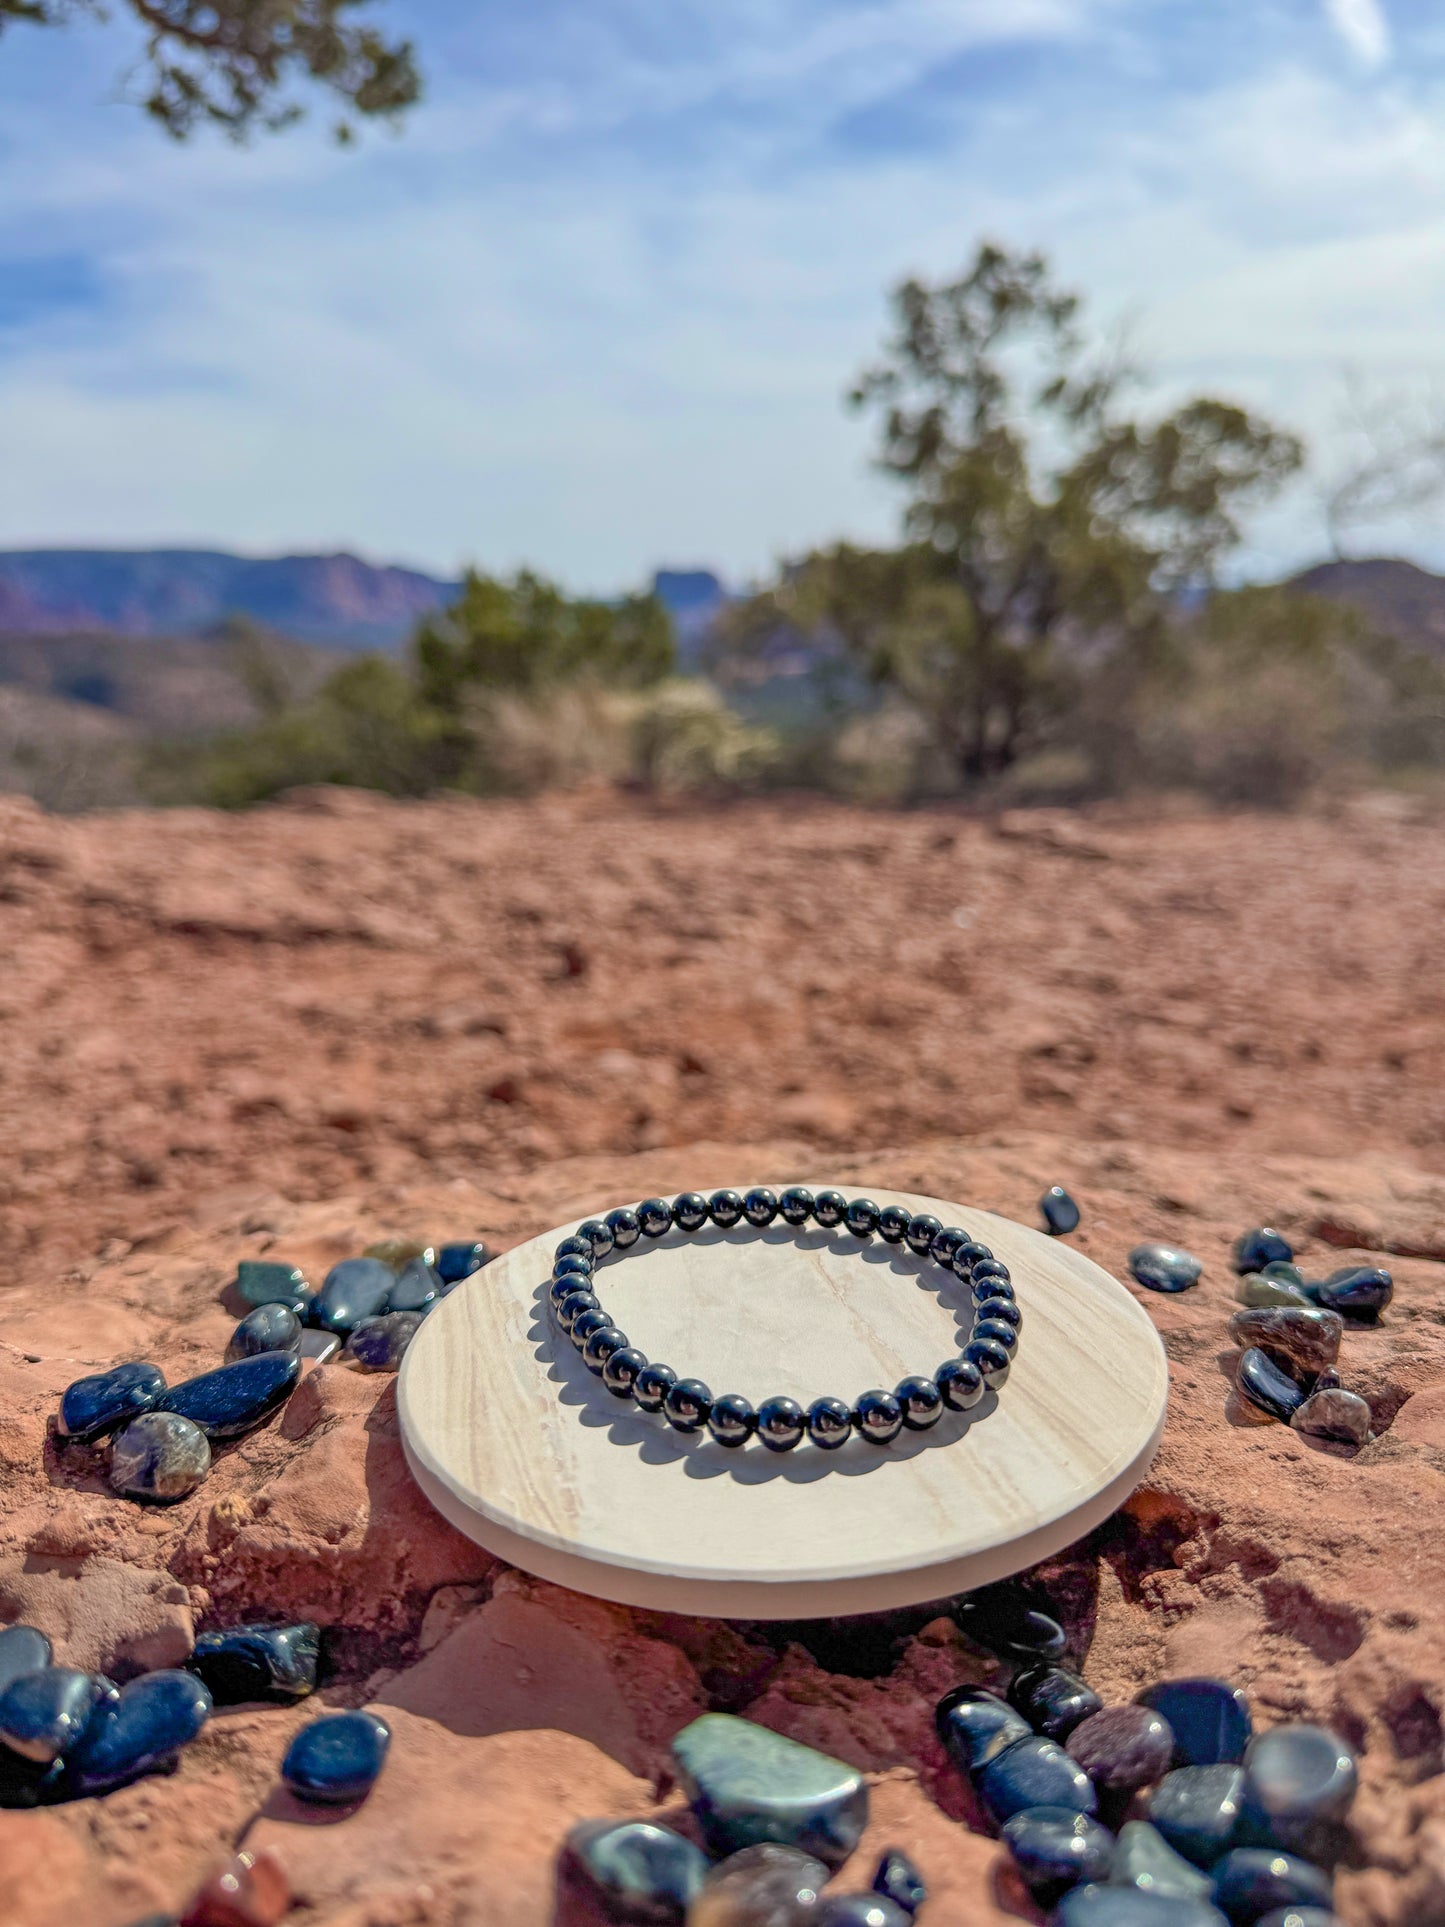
(236, 64)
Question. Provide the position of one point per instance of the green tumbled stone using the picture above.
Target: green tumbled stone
(263, 1281)
(1258, 1292)
(1282, 1273)
(1143, 1858)
(748, 1785)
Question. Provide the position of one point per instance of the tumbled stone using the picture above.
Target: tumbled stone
(1330, 1413)
(747, 1785)
(1060, 1213)
(861, 1910)
(1196, 1808)
(1266, 1386)
(1251, 1881)
(1253, 1250)
(103, 1402)
(1143, 1858)
(379, 1344)
(639, 1871)
(143, 1727)
(251, 1890)
(898, 1880)
(397, 1253)
(1281, 1273)
(417, 1288)
(762, 1886)
(357, 1288)
(258, 1662)
(263, 1281)
(1301, 1917)
(1309, 1339)
(1359, 1291)
(1000, 1622)
(1260, 1292)
(457, 1261)
(1123, 1748)
(23, 1649)
(1297, 1779)
(336, 1759)
(43, 1714)
(1052, 1699)
(235, 1398)
(975, 1726)
(319, 1345)
(1034, 1773)
(1132, 1907)
(1054, 1848)
(1209, 1719)
(269, 1328)
(26, 1783)
(159, 1457)
(1164, 1267)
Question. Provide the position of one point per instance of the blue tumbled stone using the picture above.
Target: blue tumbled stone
(1034, 1773)
(975, 1726)
(336, 1759)
(107, 1400)
(269, 1328)
(1253, 1250)
(379, 1344)
(417, 1288)
(1143, 1858)
(898, 1880)
(1196, 1808)
(1298, 1779)
(357, 1288)
(1358, 1291)
(1052, 1699)
(1061, 1213)
(234, 1398)
(1209, 1719)
(1132, 1907)
(641, 1872)
(264, 1281)
(23, 1649)
(143, 1727)
(748, 1785)
(1054, 1848)
(257, 1662)
(1164, 1267)
(1252, 1881)
(859, 1910)
(1263, 1383)
(159, 1458)
(458, 1261)
(45, 1713)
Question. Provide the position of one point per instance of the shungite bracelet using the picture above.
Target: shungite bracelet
(781, 1423)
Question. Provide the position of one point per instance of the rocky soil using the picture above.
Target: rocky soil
(339, 1019)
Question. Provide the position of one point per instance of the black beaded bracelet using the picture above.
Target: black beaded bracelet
(781, 1423)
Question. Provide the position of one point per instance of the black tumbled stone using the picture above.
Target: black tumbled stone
(1253, 1250)
(269, 1328)
(1061, 1214)
(1252, 1881)
(689, 1211)
(234, 1398)
(458, 1261)
(898, 1880)
(1196, 1808)
(143, 1727)
(997, 1619)
(975, 1726)
(1052, 1699)
(1035, 1772)
(732, 1420)
(1209, 1719)
(335, 1760)
(1054, 1848)
(795, 1206)
(44, 1714)
(257, 1662)
(640, 1872)
(725, 1208)
(1358, 1291)
(829, 1423)
(654, 1215)
(781, 1423)
(760, 1206)
(1267, 1386)
(625, 1226)
(101, 1403)
(357, 1288)
(23, 1649)
(1164, 1267)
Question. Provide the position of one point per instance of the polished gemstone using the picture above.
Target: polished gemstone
(23, 1649)
(960, 1382)
(585, 1323)
(1209, 1719)
(725, 1208)
(747, 1785)
(921, 1232)
(573, 1247)
(43, 1714)
(1282, 1273)
(654, 1382)
(258, 1662)
(945, 1243)
(761, 1886)
(234, 1398)
(877, 1417)
(264, 1281)
(996, 1331)
(639, 1871)
(1095, 1906)
(997, 1619)
(1123, 1748)
(573, 1306)
(861, 1217)
(970, 1255)
(796, 1204)
(975, 1726)
(1309, 1340)
(337, 1758)
(1259, 1292)
(983, 1271)
(357, 1288)
(397, 1252)
(893, 1222)
(250, 1890)
(782, 1423)
(92, 1406)
(1054, 1848)
(625, 1226)
(379, 1344)
(621, 1371)
(1296, 1778)
(417, 1288)
(1331, 1413)
(143, 1727)
(687, 1404)
(600, 1346)
(161, 1456)
(1035, 1772)
(1053, 1700)
(1061, 1213)
(861, 1910)
(598, 1234)
(458, 1261)
(1253, 1250)
(1252, 1881)
(571, 1265)
(1263, 1383)
(1301, 1917)
(1143, 1858)
(1164, 1267)
(921, 1402)
(828, 1208)
(26, 1783)
(990, 1358)
(1196, 1808)
(732, 1420)
(998, 1311)
(655, 1217)
(269, 1328)
(898, 1880)
(1359, 1291)
(760, 1206)
(829, 1423)
(689, 1211)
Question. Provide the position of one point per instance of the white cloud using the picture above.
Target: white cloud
(1362, 25)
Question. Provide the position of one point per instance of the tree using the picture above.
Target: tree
(234, 64)
(1393, 462)
(1047, 530)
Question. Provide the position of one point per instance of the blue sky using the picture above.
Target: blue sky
(595, 309)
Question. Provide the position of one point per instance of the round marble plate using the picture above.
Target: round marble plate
(518, 1445)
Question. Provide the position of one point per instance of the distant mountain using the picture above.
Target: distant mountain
(694, 598)
(1398, 597)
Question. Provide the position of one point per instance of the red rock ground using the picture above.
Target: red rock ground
(341, 1018)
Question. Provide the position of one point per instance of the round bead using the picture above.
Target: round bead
(687, 1404)
(861, 1217)
(575, 1247)
(689, 1211)
(989, 1268)
(971, 1254)
(585, 1323)
(725, 1208)
(993, 1288)
(625, 1227)
(571, 1281)
(960, 1383)
(654, 1382)
(991, 1359)
(573, 1306)
(1001, 1310)
(780, 1423)
(829, 1424)
(619, 1374)
(921, 1233)
(878, 1417)
(655, 1217)
(829, 1208)
(597, 1234)
(922, 1402)
(569, 1263)
(760, 1206)
(945, 1243)
(732, 1420)
(796, 1204)
(996, 1332)
(601, 1344)
(893, 1223)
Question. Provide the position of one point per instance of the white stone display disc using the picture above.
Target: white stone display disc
(521, 1447)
